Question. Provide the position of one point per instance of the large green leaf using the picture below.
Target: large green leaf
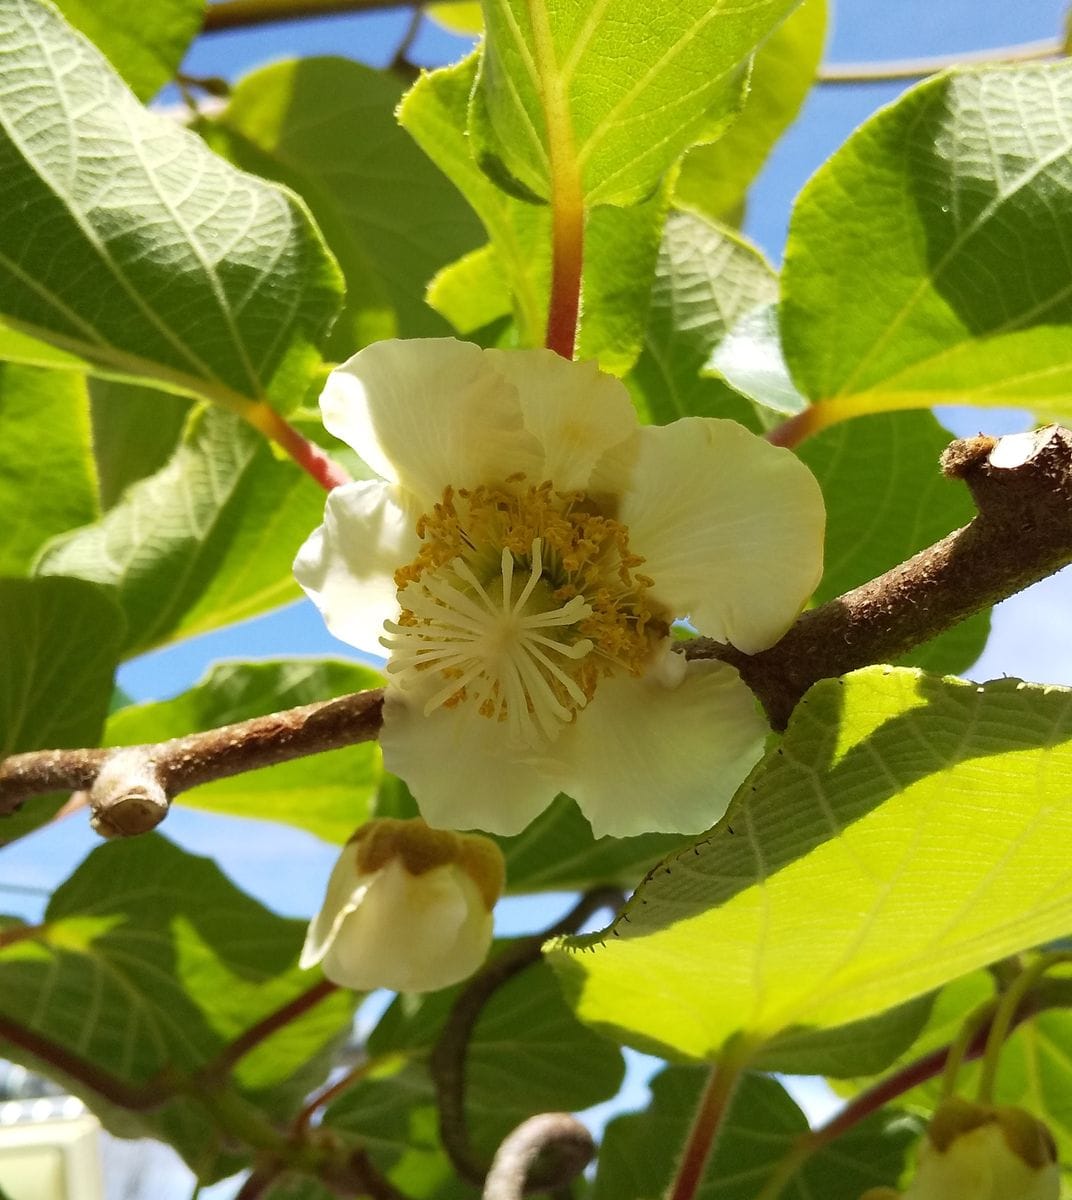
(206, 541)
(47, 482)
(327, 794)
(608, 94)
(391, 218)
(149, 959)
(928, 261)
(706, 279)
(885, 500)
(514, 271)
(715, 178)
(136, 248)
(136, 429)
(528, 1054)
(145, 42)
(907, 830)
(59, 644)
(640, 1150)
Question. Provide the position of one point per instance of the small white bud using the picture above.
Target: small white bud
(407, 908)
(982, 1152)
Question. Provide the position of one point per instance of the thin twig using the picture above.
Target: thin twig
(918, 68)
(1022, 487)
(241, 14)
(449, 1055)
(264, 1028)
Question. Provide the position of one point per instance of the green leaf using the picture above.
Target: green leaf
(145, 42)
(706, 278)
(459, 16)
(907, 830)
(59, 642)
(554, 1064)
(610, 95)
(135, 431)
(391, 218)
(208, 540)
(59, 646)
(151, 961)
(620, 246)
(928, 260)
(47, 480)
(715, 178)
(136, 248)
(750, 359)
(640, 1151)
(327, 794)
(886, 500)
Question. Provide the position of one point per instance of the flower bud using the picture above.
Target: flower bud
(982, 1152)
(407, 908)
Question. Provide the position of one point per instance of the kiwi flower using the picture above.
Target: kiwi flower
(407, 908)
(982, 1152)
(521, 556)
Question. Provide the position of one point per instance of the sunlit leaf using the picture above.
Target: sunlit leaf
(133, 246)
(620, 245)
(706, 279)
(144, 42)
(327, 794)
(609, 93)
(908, 830)
(47, 480)
(928, 261)
(206, 541)
(715, 177)
(390, 217)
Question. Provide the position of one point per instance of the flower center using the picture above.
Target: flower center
(519, 600)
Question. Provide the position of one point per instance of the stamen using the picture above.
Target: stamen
(533, 660)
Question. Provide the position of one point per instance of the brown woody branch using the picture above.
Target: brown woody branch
(1022, 487)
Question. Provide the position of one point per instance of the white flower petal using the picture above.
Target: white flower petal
(575, 411)
(730, 528)
(346, 889)
(643, 758)
(411, 933)
(347, 565)
(460, 767)
(427, 413)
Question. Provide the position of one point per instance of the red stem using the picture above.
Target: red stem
(305, 453)
(567, 249)
(274, 1021)
(714, 1103)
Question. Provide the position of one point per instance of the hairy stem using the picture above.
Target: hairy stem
(450, 1052)
(567, 196)
(306, 454)
(548, 1137)
(714, 1103)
